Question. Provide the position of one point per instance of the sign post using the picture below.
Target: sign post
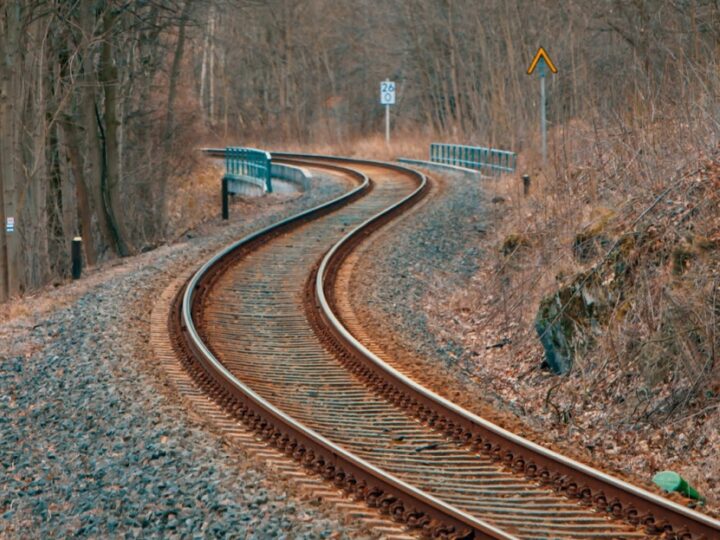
(543, 63)
(387, 98)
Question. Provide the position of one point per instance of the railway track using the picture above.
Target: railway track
(258, 328)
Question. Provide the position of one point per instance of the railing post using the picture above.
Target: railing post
(76, 254)
(526, 184)
(268, 175)
(224, 197)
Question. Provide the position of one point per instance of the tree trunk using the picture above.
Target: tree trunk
(93, 156)
(10, 152)
(211, 80)
(111, 176)
(169, 130)
(71, 147)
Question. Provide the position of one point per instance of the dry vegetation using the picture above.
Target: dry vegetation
(617, 251)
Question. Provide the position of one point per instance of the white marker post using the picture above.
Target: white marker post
(387, 98)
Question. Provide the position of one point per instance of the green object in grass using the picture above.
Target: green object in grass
(671, 481)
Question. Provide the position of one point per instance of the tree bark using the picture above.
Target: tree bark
(71, 147)
(169, 130)
(111, 176)
(93, 156)
(10, 154)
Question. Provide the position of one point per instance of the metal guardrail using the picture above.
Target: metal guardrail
(441, 166)
(290, 173)
(474, 157)
(248, 165)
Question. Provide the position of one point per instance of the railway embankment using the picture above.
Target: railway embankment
(464, 310)
(92, 443)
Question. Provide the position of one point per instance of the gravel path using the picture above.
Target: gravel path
(91, 444)
(419, 259)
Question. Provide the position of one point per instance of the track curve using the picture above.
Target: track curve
(342, 411)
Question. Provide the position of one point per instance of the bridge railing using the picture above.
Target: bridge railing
(290, 173)
(486, 160)
(248, 165)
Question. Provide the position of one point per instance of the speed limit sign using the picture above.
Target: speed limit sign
(387, 93)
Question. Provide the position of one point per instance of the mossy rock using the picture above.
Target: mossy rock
(514, 242)
(555, 335)
(567, 320)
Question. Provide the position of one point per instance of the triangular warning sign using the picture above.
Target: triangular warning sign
(541, 54)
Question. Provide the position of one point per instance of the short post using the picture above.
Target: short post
(225, 204)
(526, 184)
(268, 176)
(387, 125)
(76, 253)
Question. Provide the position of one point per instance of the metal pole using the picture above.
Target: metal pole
(225, 205)
(268, 176)
(543, 120)
(76, 254)
(387, 125)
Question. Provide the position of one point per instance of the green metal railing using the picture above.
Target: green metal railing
(249, 165)
(479, 158)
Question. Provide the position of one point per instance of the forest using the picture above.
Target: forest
(103, 103)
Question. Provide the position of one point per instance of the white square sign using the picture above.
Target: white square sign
(10, 224)
(387, 93)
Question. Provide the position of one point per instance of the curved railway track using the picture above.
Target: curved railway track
(258, 329)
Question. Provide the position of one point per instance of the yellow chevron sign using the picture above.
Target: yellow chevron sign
(541, 54)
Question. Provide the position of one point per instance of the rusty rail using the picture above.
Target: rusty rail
(361, 478)
(405, 502)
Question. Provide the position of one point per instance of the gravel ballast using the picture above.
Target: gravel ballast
(91, 443)
(424, 256)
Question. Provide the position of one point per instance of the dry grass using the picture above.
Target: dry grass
(195, 197)
(648, 377)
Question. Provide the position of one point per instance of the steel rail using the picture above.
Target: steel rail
(621, 498)
(415, 502)
(576, 479)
